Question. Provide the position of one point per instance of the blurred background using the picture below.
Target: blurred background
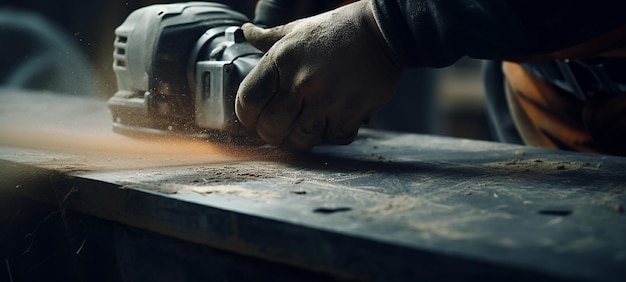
(446, 101)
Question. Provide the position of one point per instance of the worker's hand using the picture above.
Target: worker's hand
(321, 78)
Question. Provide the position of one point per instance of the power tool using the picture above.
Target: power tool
(178, 67)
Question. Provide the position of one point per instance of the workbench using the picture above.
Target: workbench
(82, 203)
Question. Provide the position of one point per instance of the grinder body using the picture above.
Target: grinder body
(178, 67)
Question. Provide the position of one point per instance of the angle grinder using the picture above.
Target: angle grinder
(178, 67)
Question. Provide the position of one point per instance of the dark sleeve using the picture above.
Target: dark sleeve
(270, 13)
(436, 33)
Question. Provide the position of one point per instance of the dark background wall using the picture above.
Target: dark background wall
(92, 23)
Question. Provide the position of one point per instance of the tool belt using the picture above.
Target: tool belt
(576, 100)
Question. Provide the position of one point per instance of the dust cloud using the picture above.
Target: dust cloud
(74, 134)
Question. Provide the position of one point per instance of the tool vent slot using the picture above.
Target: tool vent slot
(120, 51)
(120, 63)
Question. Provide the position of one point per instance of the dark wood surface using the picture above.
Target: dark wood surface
(389, 206)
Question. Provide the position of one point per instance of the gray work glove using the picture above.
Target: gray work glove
(321, 78)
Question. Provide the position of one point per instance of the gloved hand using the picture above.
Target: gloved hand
(321, 78)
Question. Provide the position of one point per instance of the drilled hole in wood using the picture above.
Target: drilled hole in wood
(556, 212)
(331, 210)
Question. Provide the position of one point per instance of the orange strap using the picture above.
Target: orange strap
(547, 117)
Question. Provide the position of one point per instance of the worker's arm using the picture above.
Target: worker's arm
(323, 76)
(436, 33)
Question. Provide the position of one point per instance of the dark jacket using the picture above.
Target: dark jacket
(436, 33)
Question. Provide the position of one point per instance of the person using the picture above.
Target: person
(560, 63)
(406, 111)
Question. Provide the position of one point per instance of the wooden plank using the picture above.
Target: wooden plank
(387, 206)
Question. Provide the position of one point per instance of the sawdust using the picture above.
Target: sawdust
(613, 199)
(227, 190)
(440, 229)
(75, 136)
(537, 165)
(398, 204)
(231, 190)
(236, 173)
